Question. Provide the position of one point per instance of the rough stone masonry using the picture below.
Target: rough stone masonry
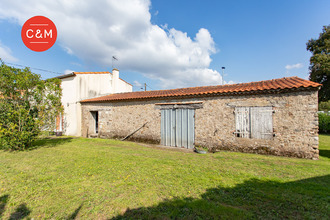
(295, 121)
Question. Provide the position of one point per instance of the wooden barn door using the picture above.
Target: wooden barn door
(178, 127)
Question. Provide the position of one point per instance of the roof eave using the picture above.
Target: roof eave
(252, 92)
(65, 76)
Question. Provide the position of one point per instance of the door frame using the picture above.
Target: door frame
(95, 117)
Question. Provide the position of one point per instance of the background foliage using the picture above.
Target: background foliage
(324, 106)
(28, 104)
(320, 62)
(324, 123)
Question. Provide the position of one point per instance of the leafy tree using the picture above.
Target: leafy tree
(27, 105)
(324, 106)
(320, 62)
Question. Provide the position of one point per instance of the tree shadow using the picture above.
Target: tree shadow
(21, 212)
(254, 198)
(75, 213)
(50, 142)
(3, 202)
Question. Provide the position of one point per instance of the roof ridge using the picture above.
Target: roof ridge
(284, 83)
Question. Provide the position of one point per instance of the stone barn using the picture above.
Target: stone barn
(277, 117)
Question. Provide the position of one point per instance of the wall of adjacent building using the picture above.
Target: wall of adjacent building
(295, 122)
(93, 85)
(69, 102)
(85, 86)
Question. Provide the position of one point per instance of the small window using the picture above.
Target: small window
(254, 122)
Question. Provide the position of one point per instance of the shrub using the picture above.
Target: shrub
(324, 123)
(27, 104)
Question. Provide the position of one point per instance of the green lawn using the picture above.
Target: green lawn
(101, 179)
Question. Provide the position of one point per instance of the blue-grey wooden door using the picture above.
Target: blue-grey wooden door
(178, 127)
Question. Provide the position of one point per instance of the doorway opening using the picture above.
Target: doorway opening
(95, 115)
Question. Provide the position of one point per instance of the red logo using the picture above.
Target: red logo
(39, 33)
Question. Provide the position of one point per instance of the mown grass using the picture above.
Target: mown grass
(100, 179)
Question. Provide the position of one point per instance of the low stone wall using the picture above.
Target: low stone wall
(295, 122)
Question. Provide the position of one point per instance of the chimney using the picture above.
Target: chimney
(115, 80)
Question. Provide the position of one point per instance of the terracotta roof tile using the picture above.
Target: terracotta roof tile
(261, 86)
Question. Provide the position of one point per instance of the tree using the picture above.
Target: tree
(27, 105)
(320, 62)
(324, 106)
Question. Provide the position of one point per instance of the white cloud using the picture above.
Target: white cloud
(294, 66)
(230, 82)
(76, 64)
(6, 54)
(96, 32)
(137, 83)
(67, 50)
(68, 71)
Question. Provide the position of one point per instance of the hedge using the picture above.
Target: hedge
(324, 123)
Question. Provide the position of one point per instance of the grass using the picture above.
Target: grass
(324, 145)
(101, 179)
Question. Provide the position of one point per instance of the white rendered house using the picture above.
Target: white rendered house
(78, 86)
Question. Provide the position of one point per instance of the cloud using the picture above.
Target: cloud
(96, 32)
(68, 71)
(6, 54)
(137, 83)
(67, 50)
(294, 66)
(230, 82)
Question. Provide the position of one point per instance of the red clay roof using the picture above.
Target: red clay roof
(261, 86)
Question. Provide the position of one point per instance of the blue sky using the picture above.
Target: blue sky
(169, 44)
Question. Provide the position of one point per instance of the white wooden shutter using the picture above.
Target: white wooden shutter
(261, 122)
(242, 118)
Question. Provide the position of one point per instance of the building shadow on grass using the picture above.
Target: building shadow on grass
(50, 142)
(254, 198)
(325, 153)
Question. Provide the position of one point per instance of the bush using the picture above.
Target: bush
(27, 104)
(324, 123)
(18, 128)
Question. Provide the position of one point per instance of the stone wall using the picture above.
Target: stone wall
(295, 122)
(117, 120)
